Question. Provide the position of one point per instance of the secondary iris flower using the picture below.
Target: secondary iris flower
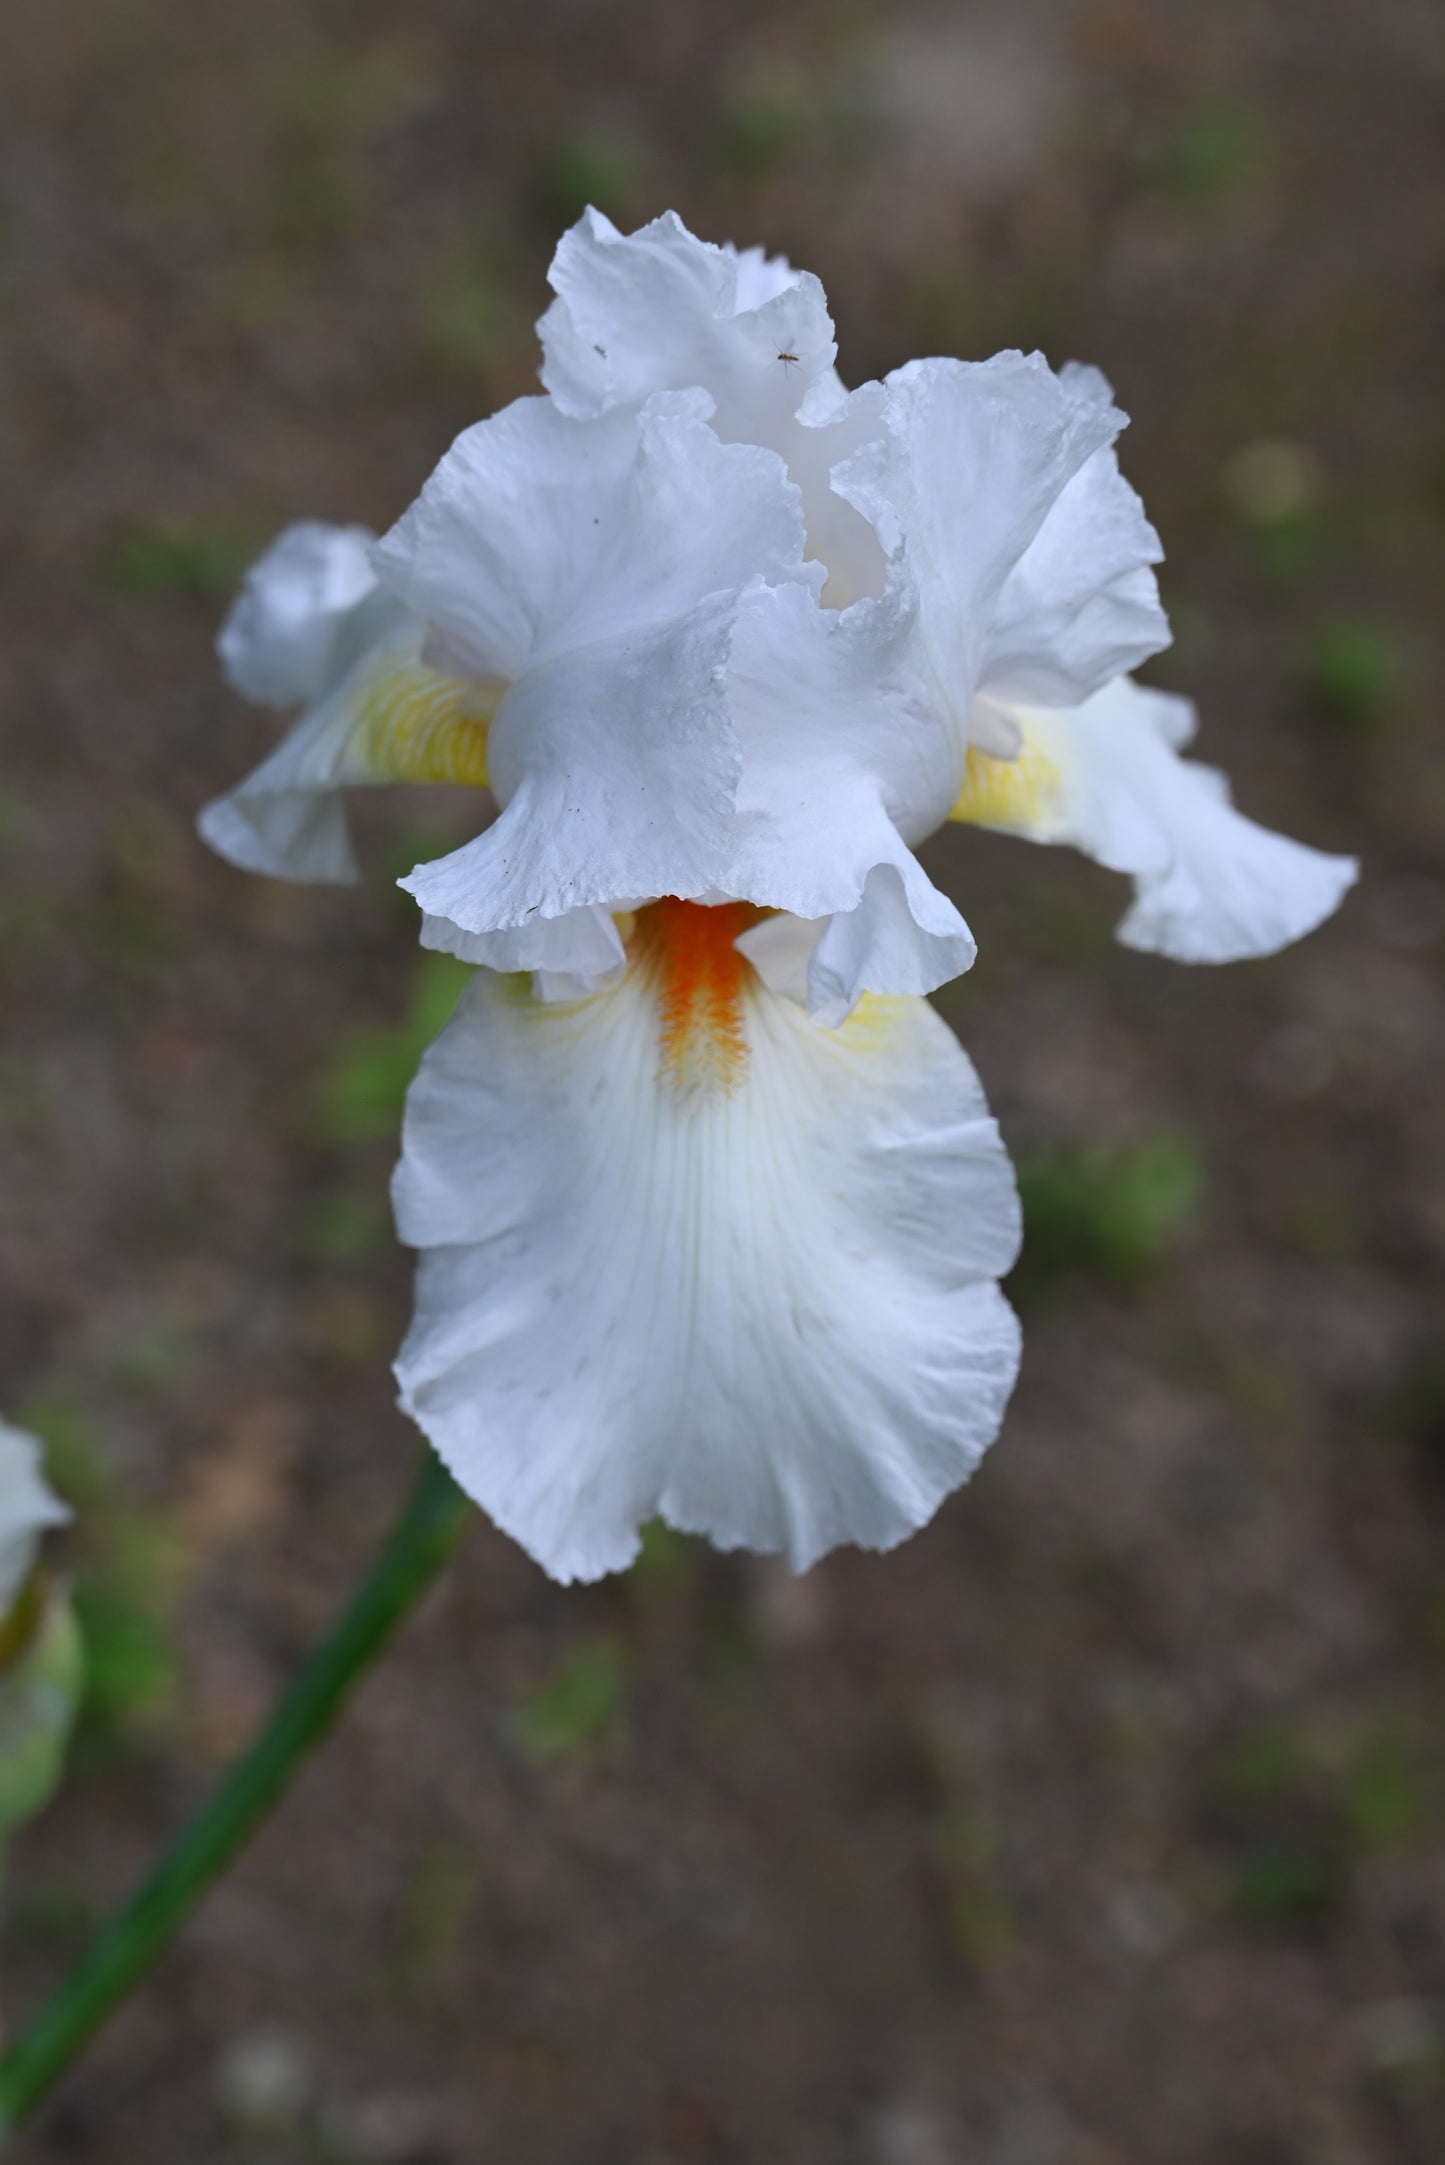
(41, 1664)
(689, 1254)
(27, 1509)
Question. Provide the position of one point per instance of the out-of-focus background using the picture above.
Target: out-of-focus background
(1105, 1823)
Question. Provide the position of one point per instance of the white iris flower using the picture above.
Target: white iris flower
(711, 1211)
(27, 1508)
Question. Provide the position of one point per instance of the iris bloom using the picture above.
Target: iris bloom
(41, 1664)
(27, 1508)
(711, 1210)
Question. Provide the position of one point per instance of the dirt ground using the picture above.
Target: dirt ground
(1104, 1824)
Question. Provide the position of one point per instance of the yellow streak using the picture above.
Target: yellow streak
(1006, 792)
(418, 726)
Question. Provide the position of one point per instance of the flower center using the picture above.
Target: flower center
(700, 979)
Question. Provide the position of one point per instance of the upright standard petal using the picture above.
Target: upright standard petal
(1030, 553)
(27, 1508)
(688, 1254)
(597, 566)
(660, 310)
(1210, 885)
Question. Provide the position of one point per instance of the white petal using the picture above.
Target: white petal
(1210, 885)
(1029, 553)
(690, 1255)
(598, 565)
(390, 718)
(761, 277)
(582, 945)
(658, 310)
(277, 644)
(27, 1507)
(1081, 606)
(840, 763)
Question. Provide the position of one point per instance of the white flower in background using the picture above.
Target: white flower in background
(27, 1508)
(41, 1658)
(689, 1254)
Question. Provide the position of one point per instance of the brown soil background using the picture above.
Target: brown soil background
(1105, 1823)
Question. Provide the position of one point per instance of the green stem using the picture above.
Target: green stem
(419, 1544)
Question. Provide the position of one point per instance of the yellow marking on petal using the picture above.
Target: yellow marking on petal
(871, 1023)
(1006, 792)
(416, 725)
(700, 978)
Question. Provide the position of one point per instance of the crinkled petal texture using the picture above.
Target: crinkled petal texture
(1031, 554)
(1209, 885)
(311, 625)
(688, 1254)
(597, 567)
(660, 310)
(840, 762)
(27, 1508)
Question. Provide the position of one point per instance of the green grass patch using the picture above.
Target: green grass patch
(1111, 1214)
(173, 558)
(359, 1097)
(579, 1706)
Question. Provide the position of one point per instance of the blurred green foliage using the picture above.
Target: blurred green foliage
(666, 1560)
(41, 1682)
(609, 168)
(1300, 1811)
(1356, 671)
(765, 125)
(174, 558)
(472, 309)
(127, 1561)
(577, 1708)
(1215, 156)
(440, 1897)
(360, 1095)
(345, 1225)
(980, 1916)
(1113, 1214)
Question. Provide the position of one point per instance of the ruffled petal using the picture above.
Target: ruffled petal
(598, 566)
(279, 642)
(1029, 553)
(687, 1254)
(840, 764)
(1210, 885)
(659, 310)
(390, 718)
(27, 1507)
(1081, 606)
(761, 277)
